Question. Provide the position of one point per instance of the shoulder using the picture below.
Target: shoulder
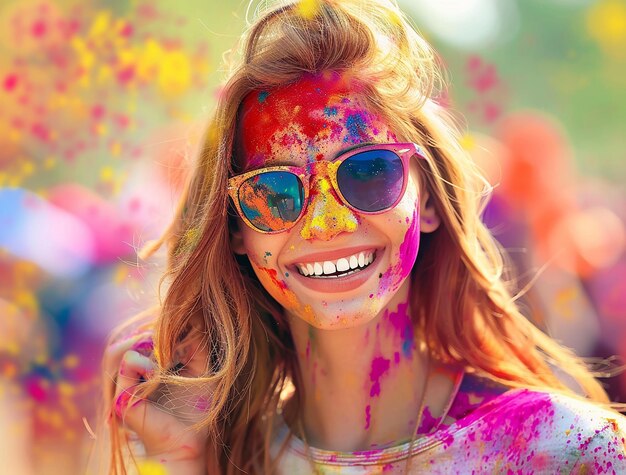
(551, 431)
(592, 437)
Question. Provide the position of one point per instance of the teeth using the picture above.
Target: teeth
(329, 267)
(344, 265)
(318, 268)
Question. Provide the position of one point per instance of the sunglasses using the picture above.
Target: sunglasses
(369, 180)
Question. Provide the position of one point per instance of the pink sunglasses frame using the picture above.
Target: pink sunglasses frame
(329, 169)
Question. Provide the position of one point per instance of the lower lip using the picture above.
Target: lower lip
(339, 284)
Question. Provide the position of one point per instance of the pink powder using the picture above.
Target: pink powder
(410, 245)
(402, 326)
(380, 366)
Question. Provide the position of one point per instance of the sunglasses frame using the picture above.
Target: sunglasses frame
(327, 168)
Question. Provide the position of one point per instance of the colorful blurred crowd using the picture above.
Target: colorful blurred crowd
(102, 105)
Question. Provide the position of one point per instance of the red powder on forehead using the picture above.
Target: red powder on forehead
(263, 112)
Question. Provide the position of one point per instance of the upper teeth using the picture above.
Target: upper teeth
(343, 264)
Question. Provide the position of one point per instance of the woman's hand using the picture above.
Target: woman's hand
(163, 421)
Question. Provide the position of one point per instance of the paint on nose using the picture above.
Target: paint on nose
(326, 216)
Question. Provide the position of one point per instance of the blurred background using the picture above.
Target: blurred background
(102, 104)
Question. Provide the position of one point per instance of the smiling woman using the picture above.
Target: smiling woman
(335, 304)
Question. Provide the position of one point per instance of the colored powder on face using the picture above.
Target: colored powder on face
(384, 282)
(263, 96)
(356, 126)
(301, 113)
(410, 245)
(406, 259)
(273, 275)
(380, 366)
(326, 217)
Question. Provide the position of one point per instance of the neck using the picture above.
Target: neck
(362, 387)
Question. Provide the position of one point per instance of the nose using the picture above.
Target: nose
(326, 216)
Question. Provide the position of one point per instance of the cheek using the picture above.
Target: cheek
(404, 232)
(263, 251)
(409, 246)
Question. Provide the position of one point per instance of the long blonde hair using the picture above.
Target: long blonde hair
(463, 298)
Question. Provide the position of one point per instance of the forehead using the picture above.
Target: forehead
(313, 118)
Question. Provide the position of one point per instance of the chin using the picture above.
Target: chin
(341, 314)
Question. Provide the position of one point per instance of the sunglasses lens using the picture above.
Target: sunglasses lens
(272, 201)
(371, 181)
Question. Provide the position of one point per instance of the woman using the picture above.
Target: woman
(335, 304)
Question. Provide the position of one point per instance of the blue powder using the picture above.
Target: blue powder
(263, 95)
(330, 111)
(355, 123)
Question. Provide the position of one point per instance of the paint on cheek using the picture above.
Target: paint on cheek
(278, 288)
(272, 274)
(391, 279)
(410, 245)
(283, 294)
(326, 216)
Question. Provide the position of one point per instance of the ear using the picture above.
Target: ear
(236, 239)
(429, 219)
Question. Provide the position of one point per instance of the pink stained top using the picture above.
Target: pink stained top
(518, 431)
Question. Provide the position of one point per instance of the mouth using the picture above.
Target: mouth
(342, 267)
